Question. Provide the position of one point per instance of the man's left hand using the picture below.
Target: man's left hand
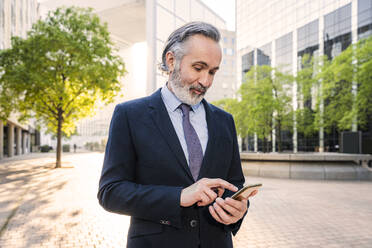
(229, 211)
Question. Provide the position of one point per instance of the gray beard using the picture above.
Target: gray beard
(182, 91)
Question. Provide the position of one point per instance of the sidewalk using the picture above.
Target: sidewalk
(59, 208)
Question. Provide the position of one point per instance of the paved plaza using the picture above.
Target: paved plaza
(45, 207)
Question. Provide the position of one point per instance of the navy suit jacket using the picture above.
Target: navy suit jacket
(145, 170)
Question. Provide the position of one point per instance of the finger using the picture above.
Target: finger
(222, 214)
(215, 215)
(253, 193)
(204, 199)
(239, 205)
(220, 191)
(218, 182)
(210, 193)
(232, 210)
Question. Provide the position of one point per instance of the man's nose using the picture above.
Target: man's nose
(206, 80)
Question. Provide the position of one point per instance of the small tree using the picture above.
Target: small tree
(61, 70)
(266, 97)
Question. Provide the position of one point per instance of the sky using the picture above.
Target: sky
(225, 9)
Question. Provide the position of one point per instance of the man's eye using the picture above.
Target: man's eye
(197, 68)
(212, 72)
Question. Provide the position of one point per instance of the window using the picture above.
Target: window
(337, 30)
(264, 55)
(307, 40)
(364, 18)
(247, 62)
(283, 49)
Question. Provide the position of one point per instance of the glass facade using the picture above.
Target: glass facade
(307, 43)
(247, 62)
(294, 28)
(283, 51)
(337, 31)
(364, 18)
(308, 39)
(264, 55)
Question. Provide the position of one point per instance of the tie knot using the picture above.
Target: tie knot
(185, 109)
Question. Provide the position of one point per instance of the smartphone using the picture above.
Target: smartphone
(245, 191)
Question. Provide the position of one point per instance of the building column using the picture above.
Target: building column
(18, 141)
(24, 139)
(255, 76)
(10, 140)
(1, 139)
(354, 39)
(29, 137)
(321, 104)
(294, 90)
(273, 61)
(151, 31)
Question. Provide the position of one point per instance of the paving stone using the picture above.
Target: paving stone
(58, 208)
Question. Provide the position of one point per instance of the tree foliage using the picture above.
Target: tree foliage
(349, 72)
(309, 80)
(61, 70)
(265, 103)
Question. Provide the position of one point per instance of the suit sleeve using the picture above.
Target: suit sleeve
(118, 190)
(235, 177)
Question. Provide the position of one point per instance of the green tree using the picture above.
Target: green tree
(364, 80)
(265, 102)
(347, 87)
(306, 83)
(234, 107)
(61, 70)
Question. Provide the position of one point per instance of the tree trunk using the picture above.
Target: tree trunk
(59, 140)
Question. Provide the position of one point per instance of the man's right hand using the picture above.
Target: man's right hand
(201, 192)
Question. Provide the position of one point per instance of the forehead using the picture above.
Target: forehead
(201, 48)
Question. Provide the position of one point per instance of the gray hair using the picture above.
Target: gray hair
(177, 38)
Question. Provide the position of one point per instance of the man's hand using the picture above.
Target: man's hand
(201, 192)
(229, 211)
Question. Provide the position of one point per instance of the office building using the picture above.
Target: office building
(16, 18)
(280, 32)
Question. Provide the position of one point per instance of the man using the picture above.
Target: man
(172, 159)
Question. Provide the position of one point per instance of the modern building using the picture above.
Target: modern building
(279, 32)
(140, 29)
(16, 17)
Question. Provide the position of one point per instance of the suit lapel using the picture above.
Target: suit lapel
(212, 140)
(161, 118)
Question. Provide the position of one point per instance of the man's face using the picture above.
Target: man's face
(192, 77)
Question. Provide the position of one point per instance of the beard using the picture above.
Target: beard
(183, 91)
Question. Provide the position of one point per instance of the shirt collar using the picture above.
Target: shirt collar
(172, 102)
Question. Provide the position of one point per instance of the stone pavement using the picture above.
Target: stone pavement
(58, 208)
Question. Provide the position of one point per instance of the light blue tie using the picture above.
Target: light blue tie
(193, 143)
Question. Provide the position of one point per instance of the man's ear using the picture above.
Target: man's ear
(170, 60)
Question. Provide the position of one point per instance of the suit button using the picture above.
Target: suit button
(193, 223)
